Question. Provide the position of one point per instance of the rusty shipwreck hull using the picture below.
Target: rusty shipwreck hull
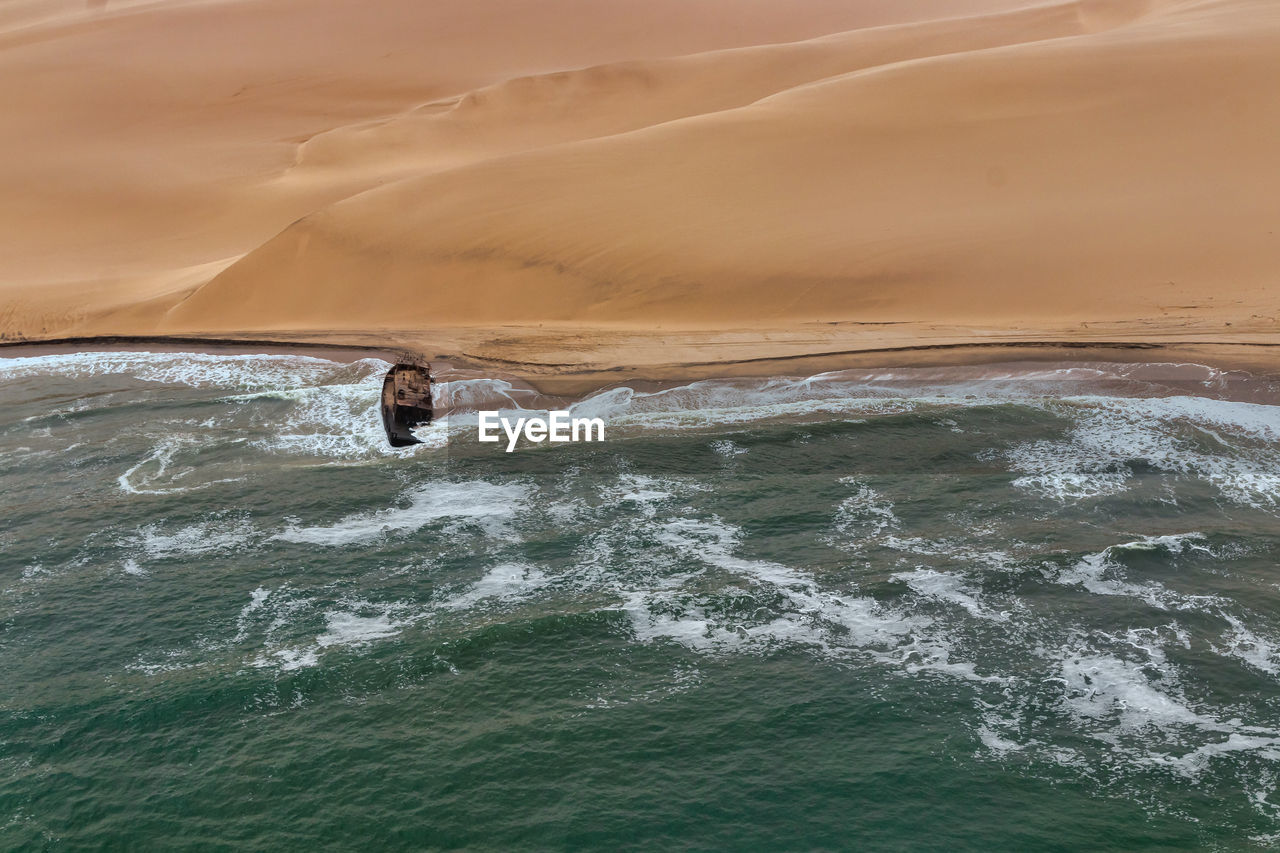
(406, 403)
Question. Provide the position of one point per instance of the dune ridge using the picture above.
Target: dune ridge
(847, 176)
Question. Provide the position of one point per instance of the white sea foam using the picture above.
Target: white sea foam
(950, 588)
(639, 489)
(815, 617)
(1253, 420)
(197, 370)
(505, 582)
(358, 623)
(1110, 435)
(1194, 763)
(337, 419)
(954, 549)
(333, 412)
(201, 538)
(1144, 700)
(1125, 693)
(171, 660)
(483, 393)
(701, 404)
(279, 608)
(344, 628)
(1242, 643)
(332, 420)
(627, 411)
(490, 506)
(332, 408)
(257, 598)
(355, 628)
(997, 744)
(658, 563)
(931, 653)
(1102, 574)
(649, 624)
(1095, 461)
(728, 449)
(865, 513)
(645, 493)
(693, 418)
(1103, 686)
(1098, 573)
(712, 402)
(140, 479)
(290, 659)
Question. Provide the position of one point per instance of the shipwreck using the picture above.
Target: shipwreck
(406, 402)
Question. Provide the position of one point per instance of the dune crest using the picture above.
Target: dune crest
(528, 112)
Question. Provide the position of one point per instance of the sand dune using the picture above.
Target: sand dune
(524, 113)
(450, 171)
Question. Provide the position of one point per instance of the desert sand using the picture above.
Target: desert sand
(578, 187)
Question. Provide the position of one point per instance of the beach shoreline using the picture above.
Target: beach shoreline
(606, 368)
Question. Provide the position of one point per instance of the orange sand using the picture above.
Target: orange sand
(578, 185)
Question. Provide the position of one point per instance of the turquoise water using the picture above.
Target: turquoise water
(1032, 609)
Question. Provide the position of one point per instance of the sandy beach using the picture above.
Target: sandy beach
(577, 191)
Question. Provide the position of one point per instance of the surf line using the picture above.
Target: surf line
(559, 426)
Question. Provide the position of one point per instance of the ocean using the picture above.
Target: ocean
(1025, 607)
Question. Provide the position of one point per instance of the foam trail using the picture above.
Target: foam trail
(215, 534)
(950, 588)
(857, 622)
(1259, 652)
(504, 582)
(489, 505)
